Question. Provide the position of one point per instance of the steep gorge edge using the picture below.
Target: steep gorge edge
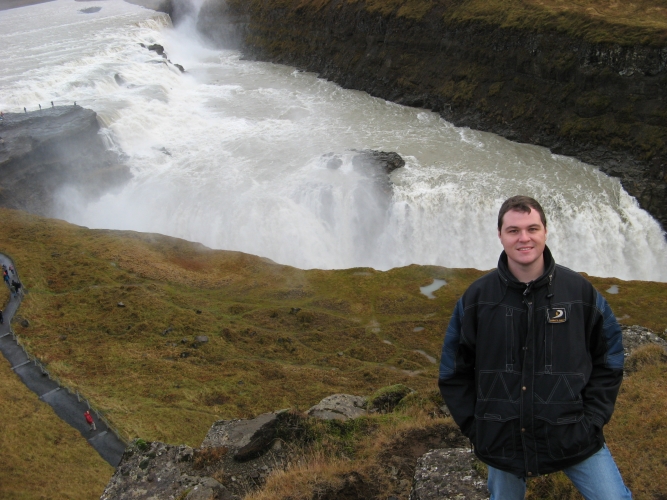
(601, 103)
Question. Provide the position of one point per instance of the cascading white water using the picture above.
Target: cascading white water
(231, 154)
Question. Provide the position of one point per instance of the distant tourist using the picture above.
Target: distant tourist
(11, 270)
(17, 286)
(2, 318)
(531, 366)
(89, 420)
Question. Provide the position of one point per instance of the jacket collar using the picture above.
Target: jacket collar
(508, 278)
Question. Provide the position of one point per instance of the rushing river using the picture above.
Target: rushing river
(231, 154)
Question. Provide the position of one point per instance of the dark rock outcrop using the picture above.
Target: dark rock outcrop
(602, 103)
(376, 166)
(159, 50)
(43, 150)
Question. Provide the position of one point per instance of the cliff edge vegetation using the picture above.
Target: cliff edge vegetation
(597, 21)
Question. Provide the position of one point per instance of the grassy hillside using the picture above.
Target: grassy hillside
(626, 23)
(116, 315)
(42, 456)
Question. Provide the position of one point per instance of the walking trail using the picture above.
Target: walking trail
(68, 406)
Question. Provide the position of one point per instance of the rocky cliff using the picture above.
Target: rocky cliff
(44, 150)
(603, 103)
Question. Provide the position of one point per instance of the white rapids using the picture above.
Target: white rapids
(230, 154)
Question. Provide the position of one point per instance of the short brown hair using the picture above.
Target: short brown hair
(520, 204)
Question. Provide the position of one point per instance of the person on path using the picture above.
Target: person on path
(89, 420)
(2, 318)
(5, 276)
(16, 286)
(531, 365)
(11, 270)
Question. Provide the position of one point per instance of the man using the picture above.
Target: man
(531, 366)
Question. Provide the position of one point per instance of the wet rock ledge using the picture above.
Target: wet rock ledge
(42, 151)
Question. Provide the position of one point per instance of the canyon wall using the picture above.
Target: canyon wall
(603, 103)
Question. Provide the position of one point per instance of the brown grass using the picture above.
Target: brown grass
(637, 434)
(43, 457)
(598, 21)
(354, 334)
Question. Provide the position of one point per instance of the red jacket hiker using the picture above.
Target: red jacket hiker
(89, 419)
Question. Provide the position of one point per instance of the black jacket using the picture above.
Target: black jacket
(531, 372)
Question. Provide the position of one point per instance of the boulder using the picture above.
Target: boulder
(244, 439)
(448, 474)
(637, 336)
(339, 407)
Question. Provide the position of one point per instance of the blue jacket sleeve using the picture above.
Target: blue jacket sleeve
(599, 395)
(457, 373)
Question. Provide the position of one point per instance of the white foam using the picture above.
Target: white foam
(230, 154)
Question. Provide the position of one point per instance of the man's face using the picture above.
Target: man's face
(523, 237)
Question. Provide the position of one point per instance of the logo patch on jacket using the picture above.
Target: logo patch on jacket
(556, 315)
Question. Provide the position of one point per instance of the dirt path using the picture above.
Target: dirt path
(66, 405)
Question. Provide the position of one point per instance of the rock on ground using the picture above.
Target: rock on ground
(244, 439)
(448, 474)
(339, 407)
(158, 471)
(636, 336)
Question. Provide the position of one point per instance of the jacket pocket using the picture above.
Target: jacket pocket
(565, 429)
(496, 425)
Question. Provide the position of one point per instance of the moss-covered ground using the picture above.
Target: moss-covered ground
(117, 314)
